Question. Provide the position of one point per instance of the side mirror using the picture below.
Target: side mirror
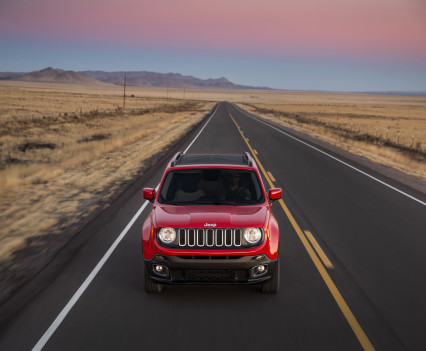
(149, 194)
(275, 194)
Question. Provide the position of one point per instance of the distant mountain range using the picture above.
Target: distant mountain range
(51, 75)
(135, 78)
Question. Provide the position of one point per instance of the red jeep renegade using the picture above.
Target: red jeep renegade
(211, 222)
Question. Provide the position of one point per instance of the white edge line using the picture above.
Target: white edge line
(61, 316)
(334, 158)
(45, 338)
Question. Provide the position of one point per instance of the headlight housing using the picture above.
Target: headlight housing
(167, 235)
(252, 235)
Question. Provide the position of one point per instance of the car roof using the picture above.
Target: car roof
(212, 159)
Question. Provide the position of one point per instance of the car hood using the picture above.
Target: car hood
(206, 216)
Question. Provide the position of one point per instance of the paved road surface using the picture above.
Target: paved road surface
(370, 294)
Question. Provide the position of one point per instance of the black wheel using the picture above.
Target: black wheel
(151, 286)
(273, 285)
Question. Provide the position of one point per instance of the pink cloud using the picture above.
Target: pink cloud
(363, 27)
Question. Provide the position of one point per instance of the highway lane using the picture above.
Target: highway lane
(338, 207)
(373, 233)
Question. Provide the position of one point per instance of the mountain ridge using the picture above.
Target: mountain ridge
(133, 78)
(54, 75)
(171, 80)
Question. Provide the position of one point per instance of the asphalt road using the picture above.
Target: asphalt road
(369, 295)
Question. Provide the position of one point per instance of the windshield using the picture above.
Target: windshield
(211, 186)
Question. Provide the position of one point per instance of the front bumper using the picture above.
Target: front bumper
(168, 269)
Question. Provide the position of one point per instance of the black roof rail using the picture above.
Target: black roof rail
(176, 158)
(249, 159)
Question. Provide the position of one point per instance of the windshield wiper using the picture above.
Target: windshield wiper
(232, 203)
(182, 203)
(177, 203)
(187, 203)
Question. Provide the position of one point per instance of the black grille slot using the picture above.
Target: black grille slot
(219, 237)
(214, 275)
(237, 237)
(210, 257)
(200, 237)
(228, 237)
(210, 275)
(182, 237)
(210, 237)
(191, 237)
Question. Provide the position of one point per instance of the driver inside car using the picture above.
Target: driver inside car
(233, 190)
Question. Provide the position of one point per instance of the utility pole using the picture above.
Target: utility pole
(124, 95)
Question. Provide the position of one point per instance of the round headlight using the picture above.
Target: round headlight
(167, 235)
(252, 235)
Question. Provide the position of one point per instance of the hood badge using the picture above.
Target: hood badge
(210, 225)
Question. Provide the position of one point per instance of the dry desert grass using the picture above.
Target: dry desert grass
(66, 149)
(386, 129)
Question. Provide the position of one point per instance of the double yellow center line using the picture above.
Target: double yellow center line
(356, 328)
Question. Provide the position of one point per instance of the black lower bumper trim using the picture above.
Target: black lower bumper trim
(210, 270)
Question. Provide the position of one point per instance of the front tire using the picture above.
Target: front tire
(151, 287)
(273, 285)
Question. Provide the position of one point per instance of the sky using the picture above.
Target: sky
(330, 45)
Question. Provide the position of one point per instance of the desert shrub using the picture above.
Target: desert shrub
(35, 145)
(95, 137)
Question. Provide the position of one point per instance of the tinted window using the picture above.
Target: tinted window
(211, 186)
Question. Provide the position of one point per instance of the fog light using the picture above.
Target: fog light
(258, 271)
(160, 270)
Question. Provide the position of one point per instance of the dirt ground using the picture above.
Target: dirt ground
(59, 163)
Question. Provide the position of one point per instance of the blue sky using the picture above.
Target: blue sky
(374, 45)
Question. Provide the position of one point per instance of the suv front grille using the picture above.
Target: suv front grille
(209, 238)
